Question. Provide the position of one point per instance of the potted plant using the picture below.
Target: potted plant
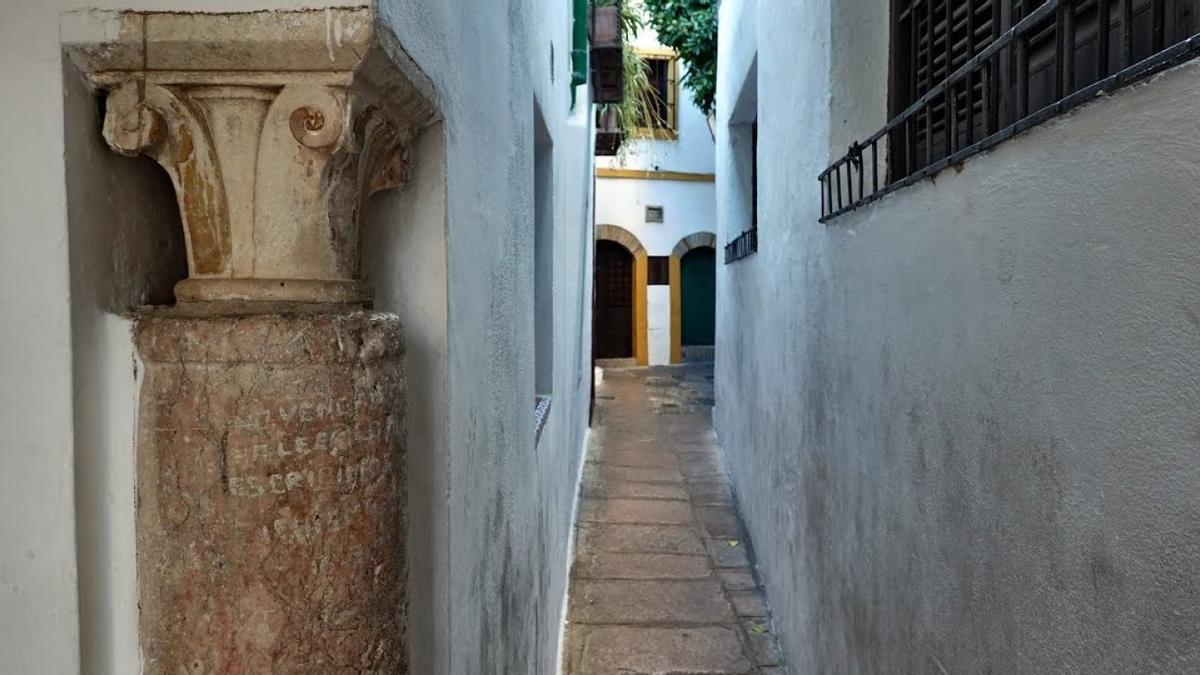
(608, 130)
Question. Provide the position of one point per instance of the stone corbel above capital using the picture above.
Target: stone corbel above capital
(274, 128)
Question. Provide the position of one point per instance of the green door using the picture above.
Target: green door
(698, 288)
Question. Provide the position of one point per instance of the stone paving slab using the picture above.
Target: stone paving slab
(640, 511)
(694, 462)
(720, 522)
(654, 602)
(657, 459)
(737, 580)
(703, 494)
(683, 440)
(642, 566)
(662, 651)
(749, 603)
(764, 648)
(612, 474)
(662, 581)
(619, 538)
(635, 489)
(635, 444)
(693, 474)
(727, 552)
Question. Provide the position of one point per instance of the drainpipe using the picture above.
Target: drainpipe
(579, 47)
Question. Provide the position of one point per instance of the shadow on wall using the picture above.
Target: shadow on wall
(126, 250)
(404, 261)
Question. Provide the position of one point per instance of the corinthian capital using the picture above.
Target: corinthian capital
(274, 127)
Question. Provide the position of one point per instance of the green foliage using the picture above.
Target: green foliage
(690, 28)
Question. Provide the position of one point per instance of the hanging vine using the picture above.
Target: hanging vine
(640, 105)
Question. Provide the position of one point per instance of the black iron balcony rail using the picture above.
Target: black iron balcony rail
(743, 245)
(986, 100)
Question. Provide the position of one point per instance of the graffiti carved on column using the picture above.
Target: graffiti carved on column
(271, 488)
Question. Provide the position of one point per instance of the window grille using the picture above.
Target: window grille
(661, 118)
(747, 242)
(968, 74)
(743, 245)
(654, 214)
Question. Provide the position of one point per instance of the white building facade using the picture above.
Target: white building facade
(961, 418)
(656, 200)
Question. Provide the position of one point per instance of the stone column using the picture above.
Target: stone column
(270, 459)
(271, 519)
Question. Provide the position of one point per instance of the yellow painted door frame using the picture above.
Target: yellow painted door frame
(676, 310)
(641, 275)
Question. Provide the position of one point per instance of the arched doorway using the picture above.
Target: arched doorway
(613, 318)
(619, 296)
(693, 297)
(698, 301)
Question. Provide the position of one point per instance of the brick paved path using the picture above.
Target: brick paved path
(662, 581)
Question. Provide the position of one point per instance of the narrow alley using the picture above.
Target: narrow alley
(662, 580)
(895, 305)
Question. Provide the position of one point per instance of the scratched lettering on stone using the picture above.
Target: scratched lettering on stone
(271, 487)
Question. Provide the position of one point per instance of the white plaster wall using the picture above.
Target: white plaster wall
(961, 421)
(496, 566)
(106, 419)
(658, 324)
(688, 207)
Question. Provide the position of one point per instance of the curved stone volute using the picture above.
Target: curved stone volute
(274, 128)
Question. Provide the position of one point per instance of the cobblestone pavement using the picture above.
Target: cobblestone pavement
(662, 579)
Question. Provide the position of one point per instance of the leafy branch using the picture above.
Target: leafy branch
(690, 28)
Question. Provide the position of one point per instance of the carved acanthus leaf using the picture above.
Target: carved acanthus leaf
(271, 167)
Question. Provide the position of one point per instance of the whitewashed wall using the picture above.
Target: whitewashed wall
(688, 207)
(658, 324)
(961, 421)
(489, 544)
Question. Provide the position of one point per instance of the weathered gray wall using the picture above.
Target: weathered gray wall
(491, 512)
(962, 422)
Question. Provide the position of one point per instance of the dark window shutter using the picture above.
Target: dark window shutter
(660, 270)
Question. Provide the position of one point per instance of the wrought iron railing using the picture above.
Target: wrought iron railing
(995, 85)
(742, 245)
